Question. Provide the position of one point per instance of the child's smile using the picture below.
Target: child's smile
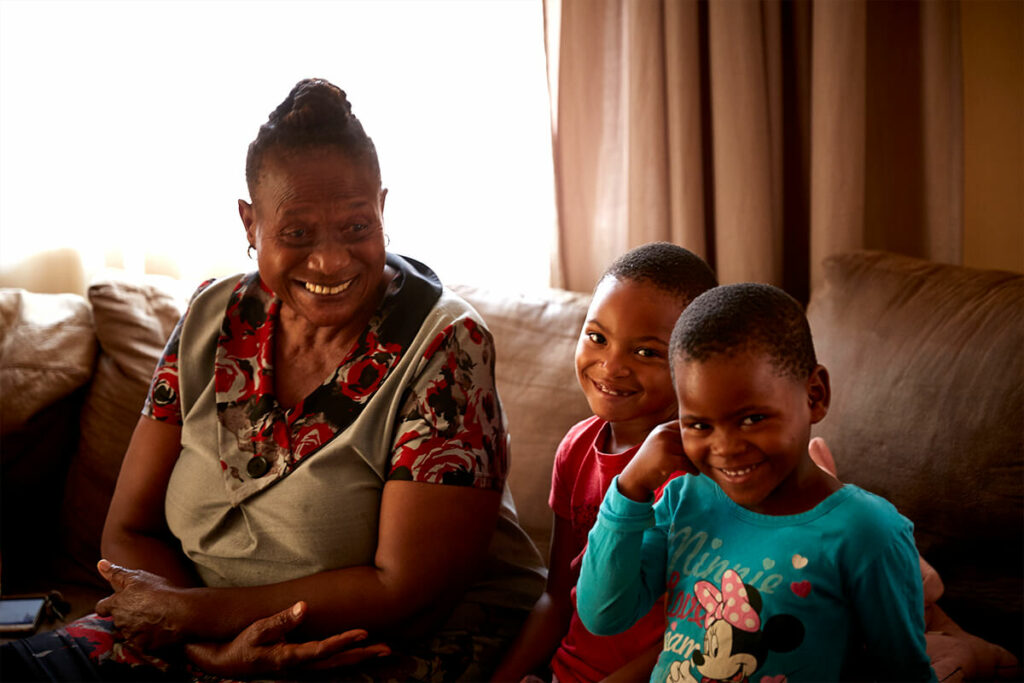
(747, 427)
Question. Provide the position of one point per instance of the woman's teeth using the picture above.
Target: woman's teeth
(327, 291)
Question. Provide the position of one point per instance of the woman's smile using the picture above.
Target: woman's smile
(327, 290)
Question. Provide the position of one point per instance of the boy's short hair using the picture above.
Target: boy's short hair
(669, 267)
(746, 317)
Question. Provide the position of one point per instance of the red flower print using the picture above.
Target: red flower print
(311, 437)
(474, 331)
(363, 378)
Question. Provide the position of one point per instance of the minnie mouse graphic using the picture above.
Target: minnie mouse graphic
(735, 644)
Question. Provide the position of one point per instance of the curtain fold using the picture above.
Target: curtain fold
(762, 134)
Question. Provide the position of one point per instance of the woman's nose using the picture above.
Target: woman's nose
(329, 256)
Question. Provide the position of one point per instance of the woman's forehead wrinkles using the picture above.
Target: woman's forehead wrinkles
(287, 207)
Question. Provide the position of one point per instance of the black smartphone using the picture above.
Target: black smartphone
(21, 615)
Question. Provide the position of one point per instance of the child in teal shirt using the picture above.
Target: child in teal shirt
(771, 566)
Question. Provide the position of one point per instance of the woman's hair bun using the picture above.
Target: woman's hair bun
(316, 113)
(312, 101)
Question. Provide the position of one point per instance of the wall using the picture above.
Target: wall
(993, 59)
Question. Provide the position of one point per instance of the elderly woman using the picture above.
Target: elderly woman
(322, 442)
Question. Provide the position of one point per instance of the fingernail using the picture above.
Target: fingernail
(297, 609)
(103, 565)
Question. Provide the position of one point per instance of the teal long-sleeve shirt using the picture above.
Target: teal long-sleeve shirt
(825, 595)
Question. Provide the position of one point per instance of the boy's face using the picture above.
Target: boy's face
(747, 427)
(622, 356)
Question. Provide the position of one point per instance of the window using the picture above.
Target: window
(124, 127)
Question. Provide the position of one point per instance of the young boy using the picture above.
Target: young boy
(771, 566)
(622, 367)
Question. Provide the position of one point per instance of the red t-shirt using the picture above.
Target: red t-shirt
(581, 476)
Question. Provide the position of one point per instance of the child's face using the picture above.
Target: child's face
(622, 356)
(747, 427)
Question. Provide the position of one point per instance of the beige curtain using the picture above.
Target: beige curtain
(763, 135)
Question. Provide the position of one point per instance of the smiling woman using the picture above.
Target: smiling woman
(308, 425)
(128, 152)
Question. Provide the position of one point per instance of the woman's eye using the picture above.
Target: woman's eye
(295, 234)
(359, 227)
(750, 420)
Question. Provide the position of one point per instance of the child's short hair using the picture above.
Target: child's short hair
(746, 317)
(669, 267)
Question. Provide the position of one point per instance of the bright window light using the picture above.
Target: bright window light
(124, 127)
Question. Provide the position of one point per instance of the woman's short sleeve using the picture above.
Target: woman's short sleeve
(451, 427)
(163, 401)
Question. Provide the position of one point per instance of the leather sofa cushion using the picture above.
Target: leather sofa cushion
(47, 355)
(536, 338)
(133, 322)
(47, 350)
(928, 411)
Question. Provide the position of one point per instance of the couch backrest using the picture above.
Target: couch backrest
(133, 321)
(535, 339)
(927, 367)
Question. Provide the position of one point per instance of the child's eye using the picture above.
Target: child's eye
(751, 420)
(645, 352)
(696, 426)
(596, 337)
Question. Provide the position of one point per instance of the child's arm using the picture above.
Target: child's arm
(623, 570)
(889, 602)
(549, 621)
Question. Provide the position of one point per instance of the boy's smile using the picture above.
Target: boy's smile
(747, 427)
(622, 358)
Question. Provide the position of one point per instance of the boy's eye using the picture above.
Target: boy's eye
(750, 420)
(696, 426)
(645, 352)
(595, 337)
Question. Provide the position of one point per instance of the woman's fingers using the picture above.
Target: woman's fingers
(276, 626)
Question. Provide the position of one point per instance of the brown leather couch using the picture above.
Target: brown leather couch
(928, 411)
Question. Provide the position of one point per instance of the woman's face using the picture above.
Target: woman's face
(316, 221)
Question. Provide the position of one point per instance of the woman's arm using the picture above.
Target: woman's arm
(432, 542)
(549, 621)
(135, 533)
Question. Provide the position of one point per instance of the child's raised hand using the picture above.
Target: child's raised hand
(660, 455)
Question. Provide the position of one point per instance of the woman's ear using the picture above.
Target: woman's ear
(245, 212)
(819, 393)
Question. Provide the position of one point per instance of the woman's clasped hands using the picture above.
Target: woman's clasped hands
(152, 614)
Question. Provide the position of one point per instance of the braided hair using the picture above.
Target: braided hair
(315, 114)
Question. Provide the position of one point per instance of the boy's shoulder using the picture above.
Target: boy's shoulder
(582, 433)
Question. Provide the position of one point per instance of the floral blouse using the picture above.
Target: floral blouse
(451, 430)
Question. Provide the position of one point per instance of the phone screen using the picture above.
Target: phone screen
(20, 614)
